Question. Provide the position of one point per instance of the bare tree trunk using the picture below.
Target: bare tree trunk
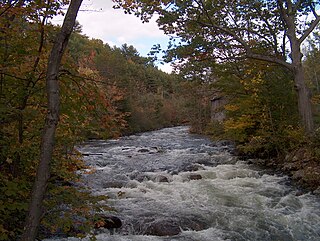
(304, 95)
(47, 143)
(304, 100)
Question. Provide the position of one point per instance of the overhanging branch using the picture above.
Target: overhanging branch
(310, 29)
(270, 59)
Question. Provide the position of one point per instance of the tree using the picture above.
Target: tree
(223, 30)
(260, 114)
(47, 143)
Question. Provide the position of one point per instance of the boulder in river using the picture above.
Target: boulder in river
(194, 176)
(192, 168)
(161, 178)
(143, 150)
(163, 228)
(173, 227)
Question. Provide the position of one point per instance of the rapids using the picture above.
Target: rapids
(170, 179)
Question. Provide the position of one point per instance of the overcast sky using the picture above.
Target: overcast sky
(99, 20)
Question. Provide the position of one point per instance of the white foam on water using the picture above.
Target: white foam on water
(235, 200)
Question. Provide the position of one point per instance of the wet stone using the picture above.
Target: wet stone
(194, 176)
(163, 228)
(193, 223)
(143, 150)
(191, 168)
(114, 184)
(142, 178)
(161, 178)
(208, 163)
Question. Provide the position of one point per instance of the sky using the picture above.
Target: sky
(99, 20)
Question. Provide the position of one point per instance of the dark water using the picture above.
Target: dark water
(149, 180)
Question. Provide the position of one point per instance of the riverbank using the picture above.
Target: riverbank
(300, 165)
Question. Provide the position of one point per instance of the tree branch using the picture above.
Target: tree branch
(310, 29)
(243, 43)
(8, 7)
(270, 59)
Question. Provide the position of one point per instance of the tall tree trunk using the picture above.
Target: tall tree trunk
(304, 100)
(304, 95)
(47, 143)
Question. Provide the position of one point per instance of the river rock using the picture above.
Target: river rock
(193, 223)
(143, 150)
(317, 191)
(228, 143)
(192, 168)
(163, 228)
(161, 178)
(174, 227)
(132, 184)
(194, 176)
(114, 184)
(207, 162)
(142, 177)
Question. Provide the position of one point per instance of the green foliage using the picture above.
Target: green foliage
(312, 72)
(225, 32)
(149, 97)
(25, 42)
(215, 130)
(218, 29)
(260, 113)
(197, 105)
(105, 92)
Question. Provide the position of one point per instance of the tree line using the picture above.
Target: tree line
(92, 91)
(260, 56)
(249, 52)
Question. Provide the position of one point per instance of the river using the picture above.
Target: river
(170, 180)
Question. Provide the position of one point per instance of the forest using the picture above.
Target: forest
(108, 91)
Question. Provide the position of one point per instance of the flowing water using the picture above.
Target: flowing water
(170, 180)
